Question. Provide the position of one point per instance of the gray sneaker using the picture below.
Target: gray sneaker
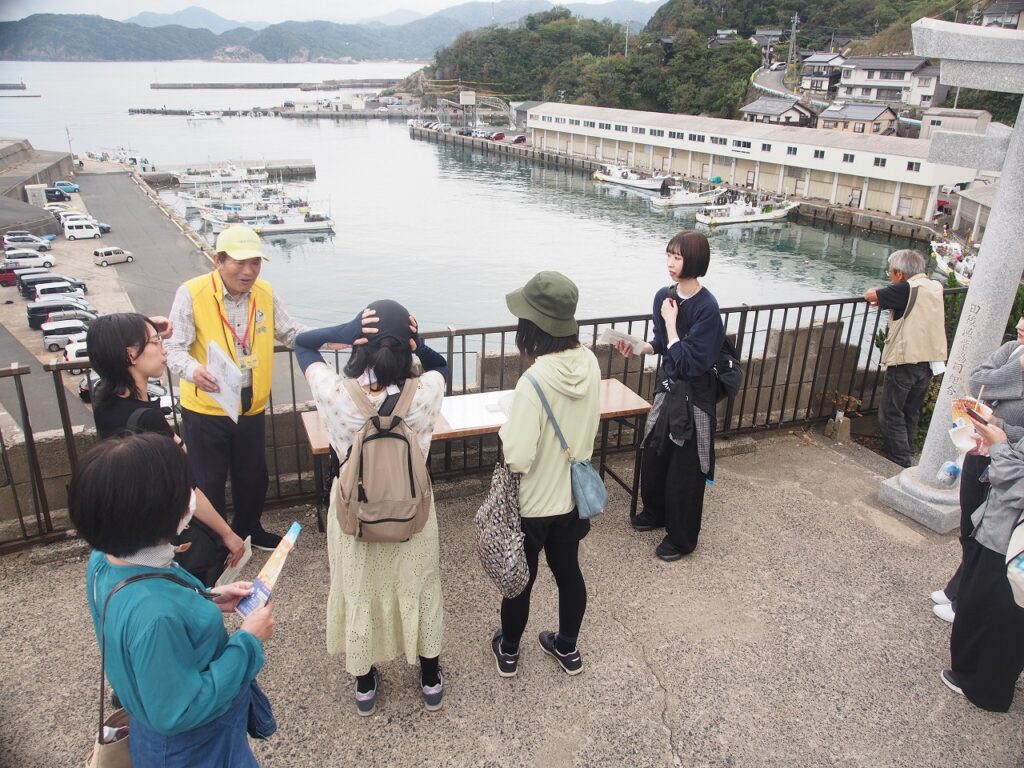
(432, 694)
(571, 662)
(507, 663)
(367, 702)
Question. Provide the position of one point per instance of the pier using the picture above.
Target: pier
(341, 114)
(326, 85)
(12, 86)
(277, 170)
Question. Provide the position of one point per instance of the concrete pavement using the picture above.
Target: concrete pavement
(800, 633)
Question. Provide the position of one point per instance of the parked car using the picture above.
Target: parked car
(30, 242)
(57, 335)
(777, 66)
(55, 207)
(29, 283)
(38, 312)
(68, 216)
(66, 186)
(54, 195)
(77, 352)
(79, 229)
(104, 257)
(9, 275)
(71, 314)
(382, 109)
(23, 257)
(496, 136)
(21, 273)
(480, 133)
(520, 139)
(464, 132)
(155, 388)
(58, 288)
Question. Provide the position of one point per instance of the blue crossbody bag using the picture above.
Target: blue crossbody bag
(588, 489)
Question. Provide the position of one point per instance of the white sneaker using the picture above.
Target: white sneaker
(944, 612)
(939, 597)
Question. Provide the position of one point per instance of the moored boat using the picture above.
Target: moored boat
(744, 212)
(614, 174)
(683, 197)
(950, 257)
(196, 116)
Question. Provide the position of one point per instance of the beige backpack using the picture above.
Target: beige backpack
(383, 490)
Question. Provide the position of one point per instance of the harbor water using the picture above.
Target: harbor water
(447, 231)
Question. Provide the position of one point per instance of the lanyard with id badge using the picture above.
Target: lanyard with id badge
(246, 361)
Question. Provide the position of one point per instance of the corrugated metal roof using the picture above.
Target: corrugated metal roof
(854, 112)
(1004, 6)
(903, 63)
(769, 105)
(768, 132)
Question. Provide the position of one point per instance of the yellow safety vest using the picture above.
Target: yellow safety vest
(208, 310)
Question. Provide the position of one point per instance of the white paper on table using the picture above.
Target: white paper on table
(229, 380)
(611, 336)
(486, 409)
(231, 574)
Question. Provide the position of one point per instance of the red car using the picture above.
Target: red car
(497, 136)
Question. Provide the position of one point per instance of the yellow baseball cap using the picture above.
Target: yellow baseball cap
(240, 243)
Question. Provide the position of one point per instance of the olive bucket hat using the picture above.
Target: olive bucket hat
(548, 300)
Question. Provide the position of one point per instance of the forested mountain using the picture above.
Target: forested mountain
(194, 18)
(554, 56)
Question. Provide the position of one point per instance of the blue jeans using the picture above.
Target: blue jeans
(221, 743)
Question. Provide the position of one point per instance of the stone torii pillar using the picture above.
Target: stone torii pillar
(988, 59)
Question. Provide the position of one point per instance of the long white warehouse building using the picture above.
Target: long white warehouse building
(866, 171)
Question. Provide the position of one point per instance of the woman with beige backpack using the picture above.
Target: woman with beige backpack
(385, 593)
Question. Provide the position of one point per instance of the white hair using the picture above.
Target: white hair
(907, 261)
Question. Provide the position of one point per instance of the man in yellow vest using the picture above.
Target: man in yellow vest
(232, 308)
(916, 339)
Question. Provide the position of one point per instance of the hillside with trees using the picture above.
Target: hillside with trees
(556, 57)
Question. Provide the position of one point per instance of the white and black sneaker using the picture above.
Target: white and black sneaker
(507, 663)
(571, 662)
(949, 678)
(366, 702)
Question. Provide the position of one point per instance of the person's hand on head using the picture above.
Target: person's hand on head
(163, 326)
(369, 321)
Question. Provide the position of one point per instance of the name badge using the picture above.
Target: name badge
(247, 362)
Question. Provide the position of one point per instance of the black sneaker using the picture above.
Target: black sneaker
(507, 663)
(264, 540)
(571, 662)
(668, 551)
(366, 703)
(951, 681)
(644, 522)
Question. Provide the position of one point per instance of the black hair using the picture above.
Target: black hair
(108, 341)
(533, 341)
(130, 492)
(390, 359)
(695, 250)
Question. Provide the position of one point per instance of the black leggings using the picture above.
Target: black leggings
(559, 537)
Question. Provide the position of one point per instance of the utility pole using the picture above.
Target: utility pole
(70, 150)
(627, 40)
(791, 60)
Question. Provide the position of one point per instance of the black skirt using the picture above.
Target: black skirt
(987, 644)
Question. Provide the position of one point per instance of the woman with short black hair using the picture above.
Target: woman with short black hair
(570, 377)
(186, 684)
(385, 597)
(126, 350)
(679, 448)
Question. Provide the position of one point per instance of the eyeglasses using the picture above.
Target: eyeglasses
(158, 340)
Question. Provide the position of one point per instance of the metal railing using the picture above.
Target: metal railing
(794, 354)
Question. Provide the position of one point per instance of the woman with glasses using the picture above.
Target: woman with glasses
(126, 350)
(679, 449)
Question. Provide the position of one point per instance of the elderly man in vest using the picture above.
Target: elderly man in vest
(232, 308)
(916, 339)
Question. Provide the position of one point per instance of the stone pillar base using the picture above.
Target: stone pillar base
(934, 508)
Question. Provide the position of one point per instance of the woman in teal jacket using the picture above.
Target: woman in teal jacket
(186, 683)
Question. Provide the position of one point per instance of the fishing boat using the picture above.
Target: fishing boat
(227, 174)
(615, 174)
(196, 116)
(286, 225)
(682, 197)
(950, 257)
(744, 212)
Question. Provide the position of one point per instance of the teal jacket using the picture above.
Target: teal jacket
(168, 656)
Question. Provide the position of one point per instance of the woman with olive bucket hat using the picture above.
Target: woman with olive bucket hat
(569, 376)
(385, 597)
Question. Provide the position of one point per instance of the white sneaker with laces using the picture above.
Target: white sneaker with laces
(939, 597)
(944, 612)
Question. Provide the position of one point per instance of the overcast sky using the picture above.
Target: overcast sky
(250, 10)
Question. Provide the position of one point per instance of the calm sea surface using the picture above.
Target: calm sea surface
(446, 231)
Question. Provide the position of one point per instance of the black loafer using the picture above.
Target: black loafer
(643, 523)
(668, 552)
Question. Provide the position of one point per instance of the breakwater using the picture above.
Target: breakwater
(12, 86)
(326, 85)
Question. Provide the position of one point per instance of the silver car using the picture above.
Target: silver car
(57, 335)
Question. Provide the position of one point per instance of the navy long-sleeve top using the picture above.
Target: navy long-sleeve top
(697, 349)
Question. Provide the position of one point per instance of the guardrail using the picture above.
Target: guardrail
(792, 354)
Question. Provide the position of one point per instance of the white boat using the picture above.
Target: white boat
(310, 222)
(681, 197)
(744, 212)
(195, 116)
(950, 257)
(615, 174)
(225, 175)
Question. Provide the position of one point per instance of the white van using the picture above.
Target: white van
(60, 288)
(58, 335)
(74, 230)
(103, 257)
(26, 259)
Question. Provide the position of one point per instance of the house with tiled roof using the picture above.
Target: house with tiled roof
(907, 80)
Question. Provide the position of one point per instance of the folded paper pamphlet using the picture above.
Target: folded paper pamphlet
(229, 380)
(263, 584)
(611, 336)
(231, 574)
